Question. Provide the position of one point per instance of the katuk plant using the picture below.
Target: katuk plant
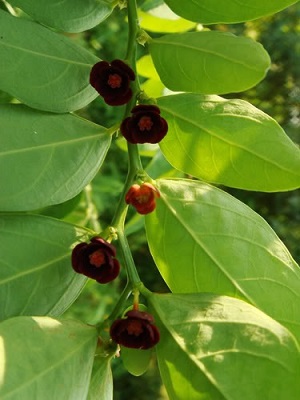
(231, 312)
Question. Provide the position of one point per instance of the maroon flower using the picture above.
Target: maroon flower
(96, 260)
(145, 125)
(136, 331)
(142, 198)
(112, 81)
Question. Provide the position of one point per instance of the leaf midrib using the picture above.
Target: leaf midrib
(54, 144)
(47, 56)
(229, 143)
(205, 51)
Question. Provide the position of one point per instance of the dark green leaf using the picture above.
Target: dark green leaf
(43, 69)
(42, 358)
(229, 142)
(204, 240)
(69, 15)
(46, 158)
(36, 277)
(215, 348)
(208, 62)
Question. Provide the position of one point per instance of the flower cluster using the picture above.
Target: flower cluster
(136, 330)
(112, 81)
(96, 260)
(142, 197)
(145, 125)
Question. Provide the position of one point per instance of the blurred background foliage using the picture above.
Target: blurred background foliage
(278, 95)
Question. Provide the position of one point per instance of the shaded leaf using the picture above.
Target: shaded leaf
(229, 142)
(42, 358)
(226, 11)
(101, 385)
(67, 16)
(216, 347)
(208, 62)
(46, 158)
(36, 277)
(43, 69)
(222, 246)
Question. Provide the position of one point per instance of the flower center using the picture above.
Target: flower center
(134, 327)
(97, 258)
(145, 123)
(114, 81)
(143, 198)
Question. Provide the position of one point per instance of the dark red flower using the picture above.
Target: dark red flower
(136, 331)
(96, 260)
(142, 197)
(112, 81)
(145, 125)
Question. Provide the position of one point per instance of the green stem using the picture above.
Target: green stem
(135, 167)
(133, 24)
(133, 275)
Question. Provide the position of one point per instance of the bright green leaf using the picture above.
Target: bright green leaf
(67, 16)
(43, 69)
(42, 358)
(215, 348)
(36, 277)
(159, 21)
(226, 11)
(222, 246)
(101, 385)
(46, 158)
(145, 67)
(208, 62)
(229, 142)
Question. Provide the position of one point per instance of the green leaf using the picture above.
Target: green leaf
(208, 62)
(46, 158)
(229, 142)
(215, 348)
(136, 361)
(101, 386)
(67, 16)
(42, 358)
(36, 277)
(222, 246)
(43, 69)
(226, 11)
(162, 20)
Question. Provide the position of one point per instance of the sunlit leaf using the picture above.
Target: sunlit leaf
(42, 358)
(208, 62)
(69, 15)
(46, 158)
(229, 142)
(36, 277)
(204, 240)
(226, 11)
(216, 347)
(43, 69)
(159, 21)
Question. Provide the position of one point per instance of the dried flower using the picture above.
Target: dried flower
(136, 331)
(145, 125)
(142, 197)
(112, 81)
(96, 260)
